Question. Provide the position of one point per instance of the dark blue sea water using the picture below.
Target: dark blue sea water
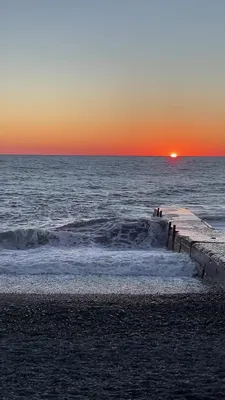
(83, 224)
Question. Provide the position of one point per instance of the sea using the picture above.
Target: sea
(83, 224)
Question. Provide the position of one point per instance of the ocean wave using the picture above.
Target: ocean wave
(141, 233)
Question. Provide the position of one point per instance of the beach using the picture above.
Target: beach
(75, 226)
(113, 346)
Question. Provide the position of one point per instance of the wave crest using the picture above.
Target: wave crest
(143, 233)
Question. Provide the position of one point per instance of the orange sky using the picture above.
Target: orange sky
(118, 130)
(75, 82)
(157, 139)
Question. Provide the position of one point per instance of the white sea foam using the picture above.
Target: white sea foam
(96, 270)
(96, 261)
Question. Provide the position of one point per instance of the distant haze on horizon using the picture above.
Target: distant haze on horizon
(123, 77)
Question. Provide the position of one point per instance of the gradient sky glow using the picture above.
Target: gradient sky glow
(143, 77)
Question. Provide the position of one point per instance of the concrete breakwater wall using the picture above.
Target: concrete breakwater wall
(205, 245)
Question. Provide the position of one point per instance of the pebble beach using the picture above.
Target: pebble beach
(113, 346)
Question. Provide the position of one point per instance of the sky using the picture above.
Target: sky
(123, 77)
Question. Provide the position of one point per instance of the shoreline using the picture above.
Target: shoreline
(212, 293)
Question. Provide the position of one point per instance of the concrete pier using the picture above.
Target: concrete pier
(205, 244)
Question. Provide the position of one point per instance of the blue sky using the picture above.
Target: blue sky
(114, 38)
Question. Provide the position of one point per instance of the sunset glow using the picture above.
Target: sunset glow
(173, 155)
(74, 82)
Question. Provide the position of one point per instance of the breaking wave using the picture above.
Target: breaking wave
(142, 233)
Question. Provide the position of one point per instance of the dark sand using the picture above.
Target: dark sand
(112, 347)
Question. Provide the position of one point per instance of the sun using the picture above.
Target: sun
(173, 155)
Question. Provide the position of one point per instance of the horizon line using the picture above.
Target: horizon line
(103, 155)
